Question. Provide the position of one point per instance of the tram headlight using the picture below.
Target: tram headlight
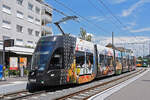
(32, 73)
(42, 81)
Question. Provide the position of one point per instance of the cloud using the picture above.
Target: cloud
(129, 11)
(140, 30)
(121, 40)
(90, 34)
(117, 1)
(133, 43)
(97, 18)
(130, 25)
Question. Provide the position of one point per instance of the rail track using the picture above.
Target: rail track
(89, 92)
(20, 95)
(79, 95)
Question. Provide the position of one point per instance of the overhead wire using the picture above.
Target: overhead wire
(62, 13)
(101, 12)
(124, 26)
(98, 9)
(88, 21)
(80, 16)
(113, 15)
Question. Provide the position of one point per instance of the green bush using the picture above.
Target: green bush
(26, 72)
(14, 72)
(6, 72)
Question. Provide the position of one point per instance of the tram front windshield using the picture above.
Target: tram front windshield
(42, 54)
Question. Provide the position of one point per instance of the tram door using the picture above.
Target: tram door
(56, 65)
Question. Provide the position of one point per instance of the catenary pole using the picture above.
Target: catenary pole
(113, 47)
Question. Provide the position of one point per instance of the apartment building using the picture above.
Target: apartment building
(25, 21)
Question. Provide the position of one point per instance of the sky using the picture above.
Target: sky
(128, 19)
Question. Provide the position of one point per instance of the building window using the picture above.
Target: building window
(19, 14)
(30, 18)
(37, 33)
(30, 31)
(30, 43)
(20, 2)
(30, 6)
(37, 10)
(6, 24)
(19, 42)
(6, 37)
(37, 21)
(19, 28)
(6, 9)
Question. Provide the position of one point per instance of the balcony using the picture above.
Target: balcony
(46, 19)
(46, 30)
(47, 10)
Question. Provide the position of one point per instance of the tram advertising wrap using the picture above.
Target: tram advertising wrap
(60, 60)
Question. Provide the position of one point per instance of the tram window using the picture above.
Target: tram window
(101, 60)
(89, 59)
(108, 61)
(57, 59)
(80, 58)
(124, 61)
(119, 59)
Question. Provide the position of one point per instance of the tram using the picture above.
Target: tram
(139, 63)
(144, 62)
(63, 59)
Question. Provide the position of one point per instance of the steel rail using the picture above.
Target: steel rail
(92, 89)
(20, 95)
(24, 94)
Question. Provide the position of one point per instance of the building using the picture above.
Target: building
(25, 21)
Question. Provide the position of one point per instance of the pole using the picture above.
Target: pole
(149, 48)
(143, 50)
(114, 57)
(3, 59)
(44, 22)
(149, 54)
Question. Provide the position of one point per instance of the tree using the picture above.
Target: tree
(84, 35)
(89, 38)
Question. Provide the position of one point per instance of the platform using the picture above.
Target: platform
(13, 84)
(136, 88)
